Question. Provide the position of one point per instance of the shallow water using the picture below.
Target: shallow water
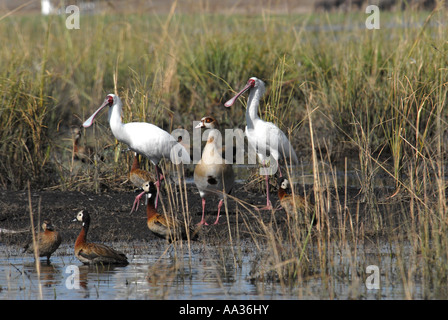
(199, 272)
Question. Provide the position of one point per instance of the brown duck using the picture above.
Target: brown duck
(47, 241)
(295, 206)
(169, 228)
(94, 253)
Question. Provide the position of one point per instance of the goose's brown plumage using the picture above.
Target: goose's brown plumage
(162, 226)
(94, 253)
(47, 241)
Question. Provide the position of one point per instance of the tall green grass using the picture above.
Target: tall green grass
(340, 91)
(374, 85)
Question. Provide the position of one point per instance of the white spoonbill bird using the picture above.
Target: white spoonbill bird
(265, 137)
(141, 137)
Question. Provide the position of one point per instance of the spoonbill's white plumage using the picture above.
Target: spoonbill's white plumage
(264, 136)
(141, 137)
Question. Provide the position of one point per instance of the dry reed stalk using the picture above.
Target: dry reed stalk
(35, 243)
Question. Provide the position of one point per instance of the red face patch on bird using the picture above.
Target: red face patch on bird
(251, 82)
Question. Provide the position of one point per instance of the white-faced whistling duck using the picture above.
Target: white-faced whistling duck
(295, 206)
(162, 226)
(94, 253)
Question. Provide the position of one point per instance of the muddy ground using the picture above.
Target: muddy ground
(110, 213)
(111, 217)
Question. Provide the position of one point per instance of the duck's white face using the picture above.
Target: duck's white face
(47, 225)
(285, 184)
(149, 188)
(80, 215)
(145, 186)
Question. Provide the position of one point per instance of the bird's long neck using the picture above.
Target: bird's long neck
(281, 193)
(211, 153)
(252, 107)
(76, 143)
(150, 208)
(82, 237)
(116, 124)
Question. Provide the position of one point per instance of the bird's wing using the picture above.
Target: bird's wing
(285, 148)
(155, 143)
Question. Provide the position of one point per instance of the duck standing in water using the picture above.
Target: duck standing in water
(94, 253)
(47, 241)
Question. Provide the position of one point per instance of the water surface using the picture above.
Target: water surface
(197, 272)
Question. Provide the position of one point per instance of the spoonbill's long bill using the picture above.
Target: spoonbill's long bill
(144, 138)
(267, 139)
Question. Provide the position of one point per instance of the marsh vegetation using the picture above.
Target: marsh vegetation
(364, 109)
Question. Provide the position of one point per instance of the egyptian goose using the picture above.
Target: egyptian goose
(209, 122)
(212, 175)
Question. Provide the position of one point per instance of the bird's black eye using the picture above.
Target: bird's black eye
(110, 100)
